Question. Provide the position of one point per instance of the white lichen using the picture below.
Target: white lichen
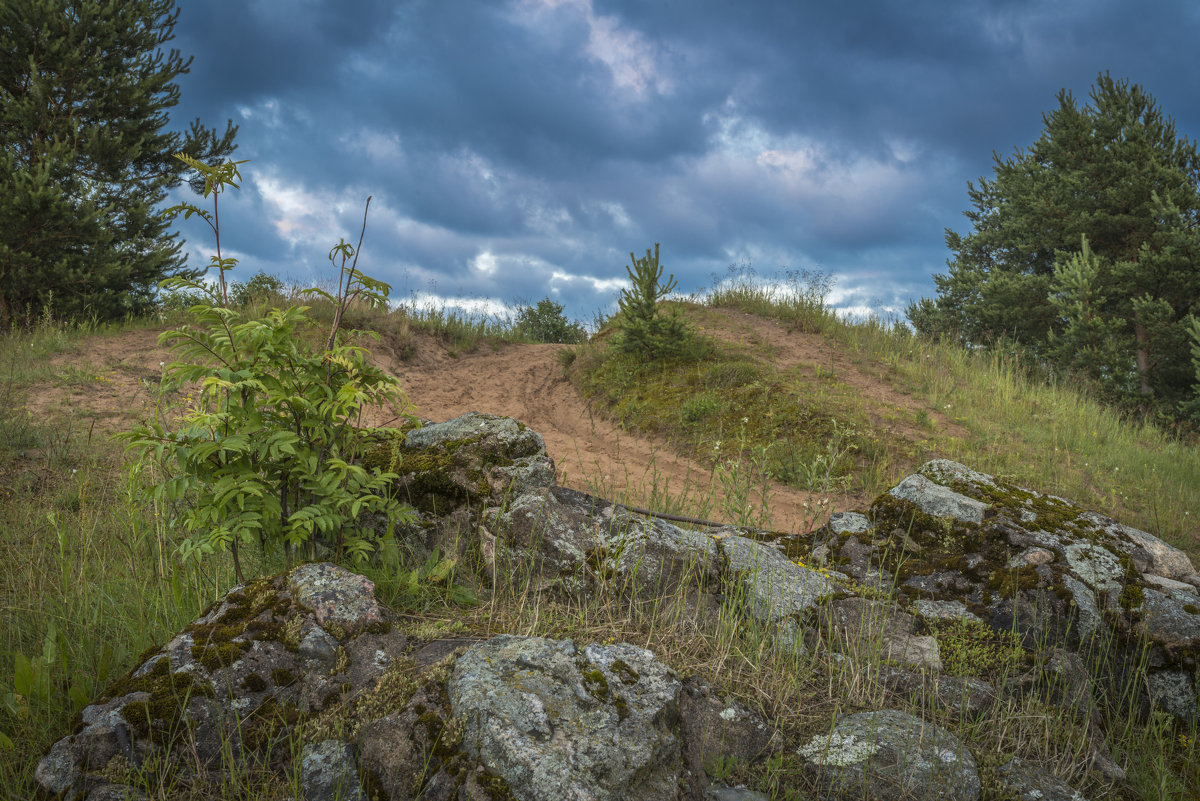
(837, 750)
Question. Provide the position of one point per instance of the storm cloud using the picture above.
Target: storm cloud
(522, 149)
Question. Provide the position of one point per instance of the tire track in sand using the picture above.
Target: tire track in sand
(591, 453)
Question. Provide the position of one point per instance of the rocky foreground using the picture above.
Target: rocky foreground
(307, 675)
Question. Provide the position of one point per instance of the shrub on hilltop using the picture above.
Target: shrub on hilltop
(546, 323)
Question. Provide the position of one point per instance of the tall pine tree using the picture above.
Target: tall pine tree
(86, 155)
(1116, 172)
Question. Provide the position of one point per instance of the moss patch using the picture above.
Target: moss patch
(160, 718)
(254, 683)
(442, 477)
(283, 677)
(249, 615)
(1131, 597)
(968, 648)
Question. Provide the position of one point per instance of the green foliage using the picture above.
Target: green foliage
(1087, 341)
(429, 583)
(271, 451)
(260, 287)
(643, 330)
(1116, 173)
(547, 323)
(85, 156)
(1191, 408)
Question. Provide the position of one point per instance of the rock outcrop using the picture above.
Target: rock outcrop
(958, 588)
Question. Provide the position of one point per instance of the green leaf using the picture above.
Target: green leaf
(24, 674)
(441, 571)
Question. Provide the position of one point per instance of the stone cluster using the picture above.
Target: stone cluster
(306, 675)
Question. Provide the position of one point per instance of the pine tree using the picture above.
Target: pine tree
(1085, 340)
(644, 331)
(1116, 172)
(86, 155)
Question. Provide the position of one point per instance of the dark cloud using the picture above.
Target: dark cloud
(524, 148)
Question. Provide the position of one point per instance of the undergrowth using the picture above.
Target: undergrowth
(987, 409)
(90, 577)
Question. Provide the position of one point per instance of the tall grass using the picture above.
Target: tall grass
(89, 578)
(1040, 431)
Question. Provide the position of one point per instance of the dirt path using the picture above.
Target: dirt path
(111, 380)
(591, 452)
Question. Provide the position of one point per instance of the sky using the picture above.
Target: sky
(522, 149)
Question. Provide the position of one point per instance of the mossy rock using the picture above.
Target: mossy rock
(469, 460)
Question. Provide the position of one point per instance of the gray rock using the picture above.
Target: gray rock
(1095, 566)
(891, 755)
(200, 700)
(849, 523)
(1087, 613)
(879, 625)
(1069, 683)
(1032, 783)
(546, 716)
(775, 586)
(938, 501)
(944, 610)
(723, 792)
(58, 771)
(713, 728)
(566, 540)
(475, 457)
(1173, 691)
(509, 437)
(1032, 556)
(328, 772)
(959, 694)
(340, 600)
(946, 473)
(1171, 619)
(317, 645)
(1008, 553)
(1149, 553)
(1170, 585)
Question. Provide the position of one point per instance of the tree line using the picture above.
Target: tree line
(1084, 250)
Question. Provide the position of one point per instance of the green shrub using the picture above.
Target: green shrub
(260, 287)
(547, 323)
(271, 452)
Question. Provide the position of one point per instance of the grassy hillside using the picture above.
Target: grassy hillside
(89, 576)
(879, 401)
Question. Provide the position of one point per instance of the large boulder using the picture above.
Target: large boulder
(234, 682)
(955, 590)
(963, 544)
(474, 460)
(304, 674)
(546, 715)
(890, 756)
